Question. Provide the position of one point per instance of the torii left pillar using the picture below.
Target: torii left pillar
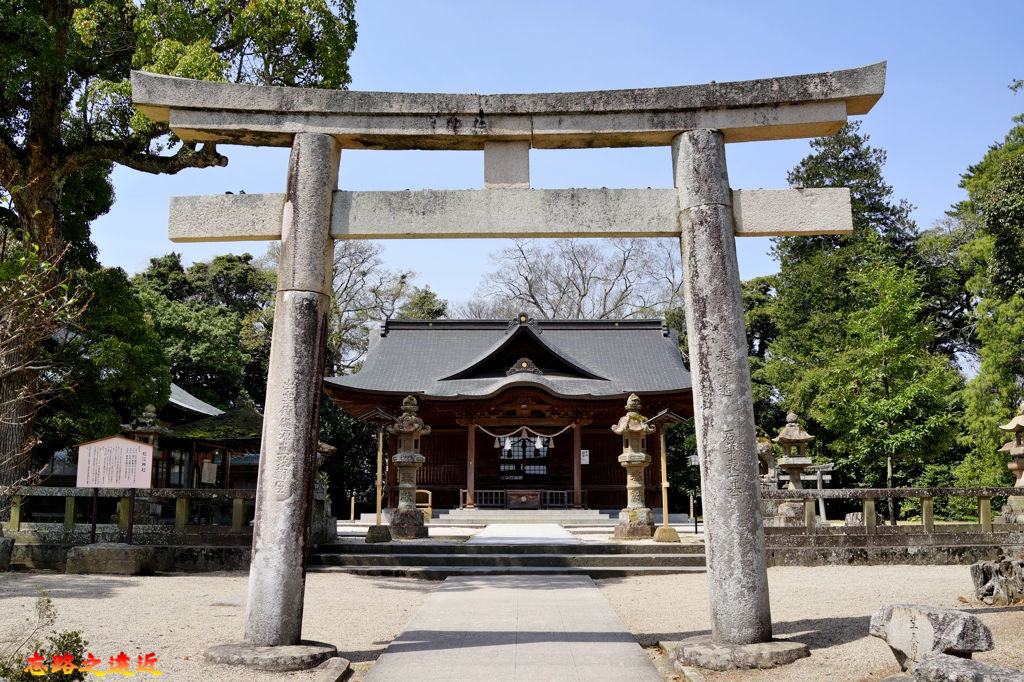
(277, 574)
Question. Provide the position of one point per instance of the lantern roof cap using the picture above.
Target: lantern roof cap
(633, 423)
(792, 432)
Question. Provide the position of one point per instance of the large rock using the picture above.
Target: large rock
(111, 558)
(998, 582)
(915, 632)
(946, 668)
(6, 547)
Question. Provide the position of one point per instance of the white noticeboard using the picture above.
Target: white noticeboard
(209, 473)
(115, 463)
(584, 456)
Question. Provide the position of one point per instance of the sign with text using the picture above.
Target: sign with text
(115, 463)
(584, 456)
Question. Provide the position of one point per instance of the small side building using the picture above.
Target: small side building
(521, 412)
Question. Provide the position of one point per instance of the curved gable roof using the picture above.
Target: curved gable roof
(522, 342)
(451, 359)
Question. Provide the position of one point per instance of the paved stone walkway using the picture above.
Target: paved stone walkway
(524, 534)
(515, 628)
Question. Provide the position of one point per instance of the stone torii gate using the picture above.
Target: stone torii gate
(702, 211)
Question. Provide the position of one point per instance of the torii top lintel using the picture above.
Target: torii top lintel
(787, 107)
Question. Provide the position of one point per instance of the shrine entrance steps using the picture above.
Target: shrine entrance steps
(565, 517)
(436, 560)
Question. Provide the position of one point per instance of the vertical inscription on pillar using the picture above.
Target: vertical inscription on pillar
(284, 462)
(726, 370)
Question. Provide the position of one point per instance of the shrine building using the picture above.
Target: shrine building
(521, 412)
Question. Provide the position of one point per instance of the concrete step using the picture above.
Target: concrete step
(455, 549)
(510, 560)
(560, 516)
(442, 572)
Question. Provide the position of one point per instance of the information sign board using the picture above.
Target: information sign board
(584, 456)
(115, 463)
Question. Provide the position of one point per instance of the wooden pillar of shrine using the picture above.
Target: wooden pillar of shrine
(471, 466)
(577, 468)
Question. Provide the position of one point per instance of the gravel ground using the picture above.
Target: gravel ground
(177, 616)
(826, 607)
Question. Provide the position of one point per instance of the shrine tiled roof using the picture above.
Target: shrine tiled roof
(449, 359)
(188, 402)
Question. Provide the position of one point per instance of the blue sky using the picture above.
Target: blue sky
(946, 101)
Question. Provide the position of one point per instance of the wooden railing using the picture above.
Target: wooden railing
(867, 496)
(498, 499)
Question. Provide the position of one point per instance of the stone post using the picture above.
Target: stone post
(406, 519)
(635, 521)
(284, 488)
(723, 410)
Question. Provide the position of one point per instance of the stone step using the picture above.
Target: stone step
(451, 549)
(510, 560)
(442, 572)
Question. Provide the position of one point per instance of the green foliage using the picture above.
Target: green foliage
(114, 360)
(214, 321)
(847, 160)
(980, 177)
(683, 478)
(422, 304)
(352, 469)
(995, 209)
(883, 395)
(1003, 216)
(66, 89)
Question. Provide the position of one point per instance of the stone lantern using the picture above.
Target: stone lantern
(407, 520)
(791, 512)
(1013, 512)
(636, 520)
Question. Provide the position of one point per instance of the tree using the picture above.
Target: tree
(422, 304)
(885, 396)
(111, 360)
(214, 321)
(582, 279)
(352, 469)
(36, 304)
(65, 105)
(995, 209)
(998, 313)
(65, 100)
(832, 322)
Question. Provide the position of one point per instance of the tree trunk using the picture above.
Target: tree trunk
(888, 484)
(16, 416)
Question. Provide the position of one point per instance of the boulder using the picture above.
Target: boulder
(112, 558)
(915, 632)
(6, 548)
(998, 582)
(946, 668)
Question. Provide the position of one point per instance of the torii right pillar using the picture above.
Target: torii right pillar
(741, 623)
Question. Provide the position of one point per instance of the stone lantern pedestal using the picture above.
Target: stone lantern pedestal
(1013, 512)
(636, 521)
(406, 519)
(791, 512)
